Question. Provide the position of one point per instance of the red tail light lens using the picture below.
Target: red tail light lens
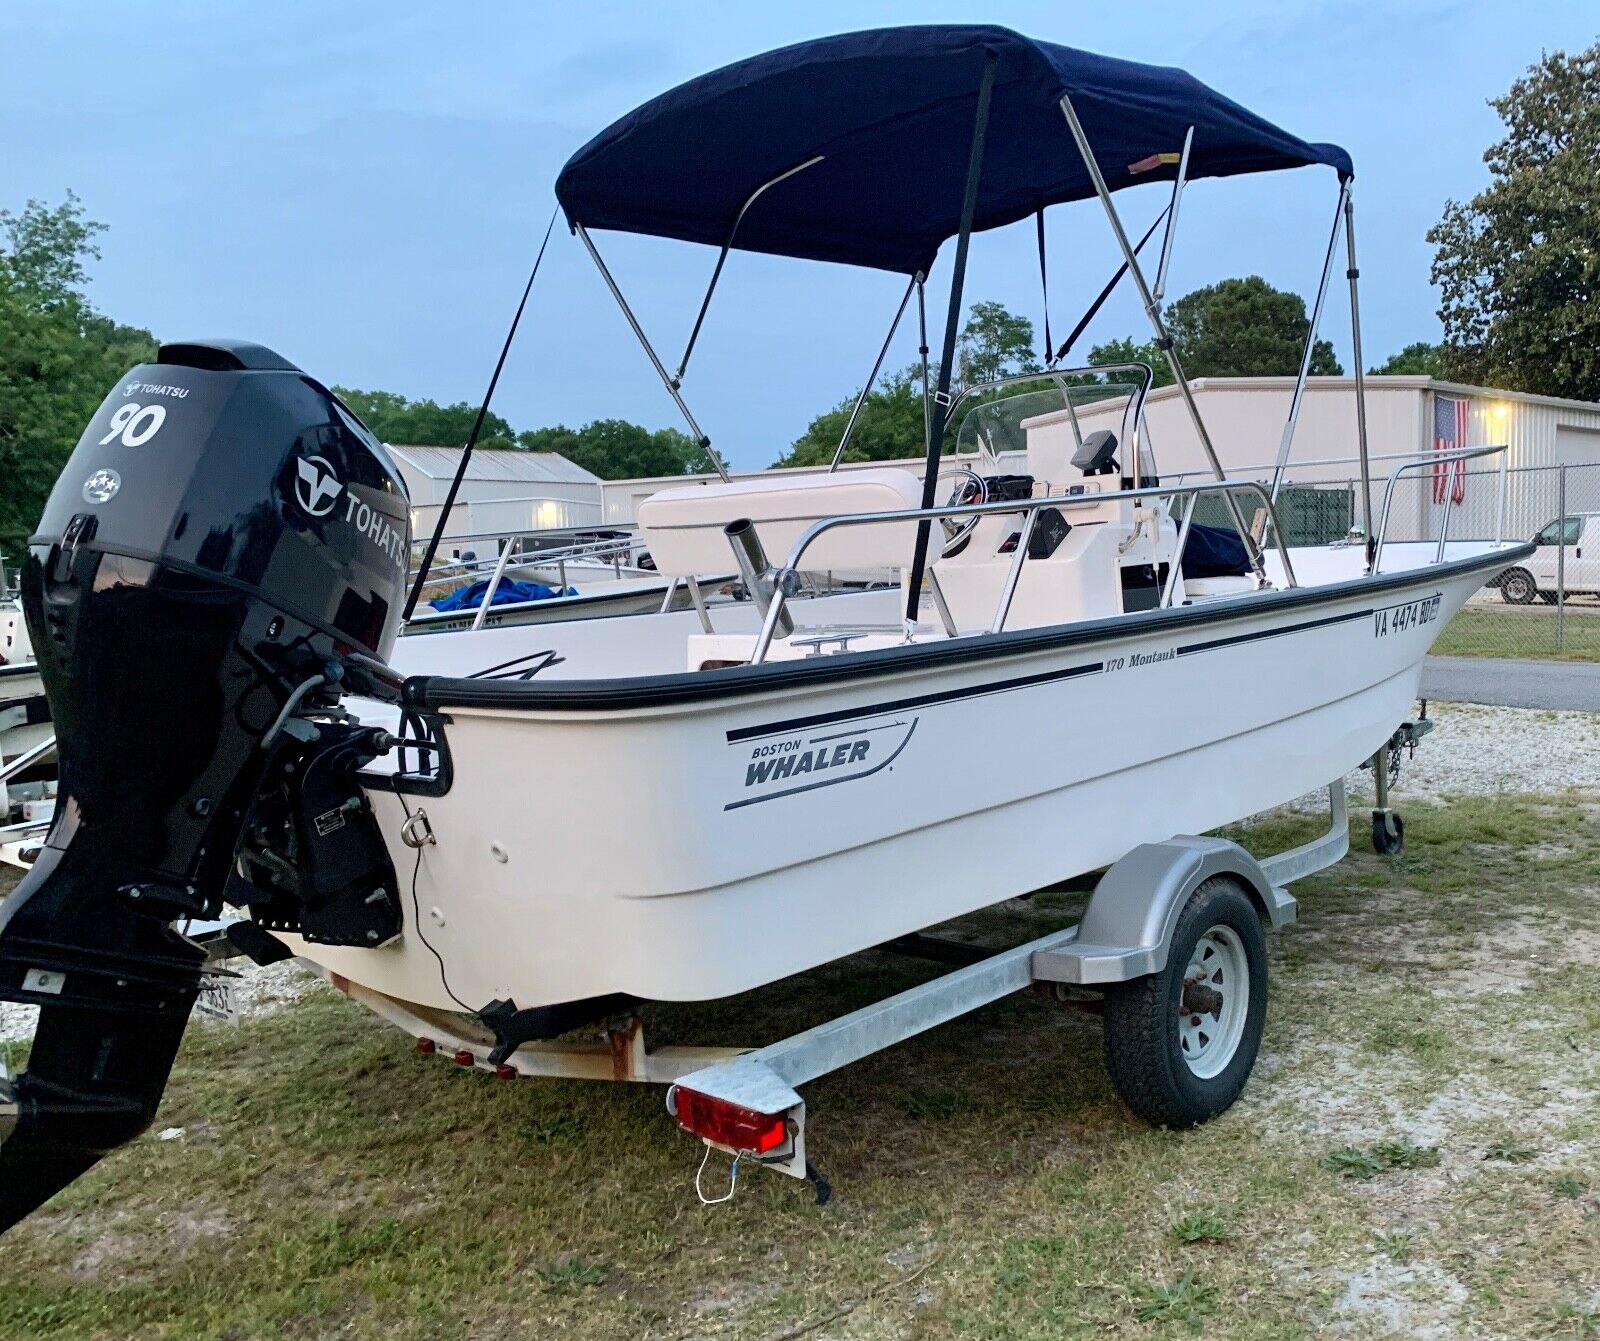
(505, 1071)
(730, 1124)
(464, 1058)
(426, 1046)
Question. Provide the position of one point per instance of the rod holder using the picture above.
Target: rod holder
(756, 573)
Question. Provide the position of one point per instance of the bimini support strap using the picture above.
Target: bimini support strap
(1093, 309)
(941, 399)
(1044, 287)
(477, 429)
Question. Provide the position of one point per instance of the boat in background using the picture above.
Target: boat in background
(24, 710)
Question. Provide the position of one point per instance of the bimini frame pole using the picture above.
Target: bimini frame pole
(958, 274)
(722, 258)
(666, 380)
(1354, 275)
(1287, 440)
(1153, 311)
(1172, 216)
(850, 427)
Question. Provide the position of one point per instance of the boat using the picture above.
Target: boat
(24, 711)
(542, 578)
(1072, 674)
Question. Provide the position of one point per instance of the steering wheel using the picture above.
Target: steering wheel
(971, 487)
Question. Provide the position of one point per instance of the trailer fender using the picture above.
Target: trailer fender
(1127, 928)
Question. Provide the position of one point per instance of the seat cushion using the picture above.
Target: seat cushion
(682, 526)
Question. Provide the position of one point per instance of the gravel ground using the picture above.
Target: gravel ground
(1473, 750)
(259, 991)
(1478, 750)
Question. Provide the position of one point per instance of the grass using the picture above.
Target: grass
(1352, 1162)
(988, 1184)
(1522, 631)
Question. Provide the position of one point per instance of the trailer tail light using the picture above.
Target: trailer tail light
(505, 1071)
(730, 1124)
(464, 1058)
(426, 1046)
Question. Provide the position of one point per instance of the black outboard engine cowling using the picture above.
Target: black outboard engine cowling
(224, 552)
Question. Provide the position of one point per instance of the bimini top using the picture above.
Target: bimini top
(891, 112)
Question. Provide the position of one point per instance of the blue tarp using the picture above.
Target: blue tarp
(892, 112)
(1214, 551)
(509, 592)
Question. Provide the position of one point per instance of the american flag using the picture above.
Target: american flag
(1449, 433)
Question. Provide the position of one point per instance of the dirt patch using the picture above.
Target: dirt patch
(1417, 1300)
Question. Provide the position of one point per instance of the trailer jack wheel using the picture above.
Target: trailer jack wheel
(1388, 833)
(1180, 1043)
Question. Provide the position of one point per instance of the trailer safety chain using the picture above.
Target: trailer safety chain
(1403, 744)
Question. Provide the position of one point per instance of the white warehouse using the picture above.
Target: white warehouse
(505, 490)
(1245, 418)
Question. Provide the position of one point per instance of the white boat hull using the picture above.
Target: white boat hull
(648, 851)
(21, 699)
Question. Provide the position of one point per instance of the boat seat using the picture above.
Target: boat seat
(682, 526)
(1209, 588)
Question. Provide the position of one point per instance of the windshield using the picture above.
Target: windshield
(997, 421)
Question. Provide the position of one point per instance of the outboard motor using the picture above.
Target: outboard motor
(223, 556)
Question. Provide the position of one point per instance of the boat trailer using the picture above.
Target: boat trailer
(745, 1103)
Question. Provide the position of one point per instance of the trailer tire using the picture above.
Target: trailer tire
(1175, 1067)
(1518, 587)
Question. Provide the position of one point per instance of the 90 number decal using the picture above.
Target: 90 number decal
(135, 424)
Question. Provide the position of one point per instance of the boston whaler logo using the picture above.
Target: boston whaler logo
(1405, 616)
(783, 763)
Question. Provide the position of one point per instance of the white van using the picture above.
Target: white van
(1540, 575)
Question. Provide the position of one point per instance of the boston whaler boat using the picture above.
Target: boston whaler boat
(1073, 672)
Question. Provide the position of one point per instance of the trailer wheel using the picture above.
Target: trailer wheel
(1518, 587)
(1181, 1043)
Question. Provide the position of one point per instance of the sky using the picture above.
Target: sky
(363, 186)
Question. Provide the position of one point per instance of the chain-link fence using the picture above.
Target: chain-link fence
(1546, 606)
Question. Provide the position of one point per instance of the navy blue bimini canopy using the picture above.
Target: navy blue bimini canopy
(891, 111)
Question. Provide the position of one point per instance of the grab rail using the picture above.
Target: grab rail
(612, 552)
(1031, 506)
(1430, 459)
(43, 750)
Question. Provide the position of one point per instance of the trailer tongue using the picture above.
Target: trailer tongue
(224, 549)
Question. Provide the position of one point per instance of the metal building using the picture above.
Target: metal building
(1245, 418)
(504, 490)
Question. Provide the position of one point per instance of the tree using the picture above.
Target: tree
(1518, 266)
(994, 343)
(58, 356)
(1244, 328)
(1128, 350)
(1420, 359)
(614, 449)
(890, 427)
(404, 422)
